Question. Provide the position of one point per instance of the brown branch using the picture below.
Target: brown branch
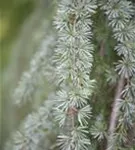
(115, 109)
(72, 111)
(102, 48)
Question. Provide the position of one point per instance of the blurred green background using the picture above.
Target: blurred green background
(23, 25)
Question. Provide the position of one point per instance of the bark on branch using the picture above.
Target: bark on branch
(115, 110)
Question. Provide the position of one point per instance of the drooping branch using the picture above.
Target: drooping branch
(36, 73)
(73, 59)
(35, 127)
(124, 33)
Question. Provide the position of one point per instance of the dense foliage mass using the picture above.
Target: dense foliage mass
(91, 67)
